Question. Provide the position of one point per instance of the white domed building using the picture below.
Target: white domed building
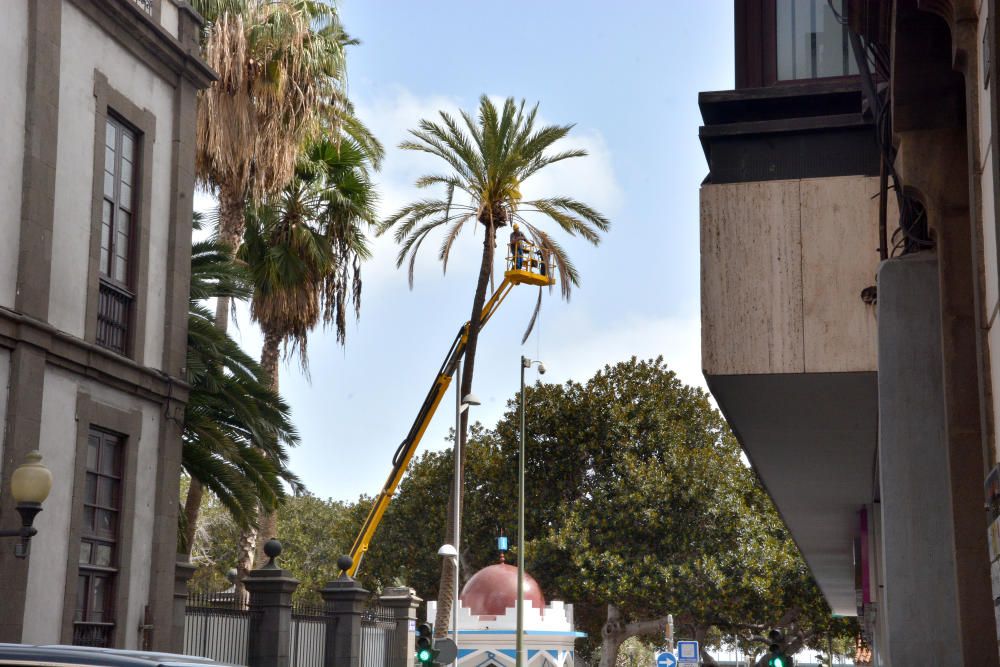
(487, 622)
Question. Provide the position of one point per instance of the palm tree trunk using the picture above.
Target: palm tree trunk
(192, 505)
(231, 227)
(446, 589)
(268, 527)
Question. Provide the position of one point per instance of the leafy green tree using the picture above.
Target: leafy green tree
(638, 506)
(490, 158)
(236, 429)
(314, 533)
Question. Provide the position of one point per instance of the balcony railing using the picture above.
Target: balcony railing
(145, 5)
(114, 309)
(93, 634)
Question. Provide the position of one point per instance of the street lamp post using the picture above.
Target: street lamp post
(461, 405)
(449, 552)
(29, 485)
(525, 364)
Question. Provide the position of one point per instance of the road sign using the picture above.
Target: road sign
(687, 654)
(666, 659)
(447, 651)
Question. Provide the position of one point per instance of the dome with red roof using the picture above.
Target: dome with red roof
(493, 590)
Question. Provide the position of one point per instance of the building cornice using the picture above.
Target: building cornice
(150, 42)
(89, 360)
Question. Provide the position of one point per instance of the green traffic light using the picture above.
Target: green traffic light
(424, 655)
(777, 661)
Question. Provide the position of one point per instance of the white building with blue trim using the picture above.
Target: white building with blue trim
(487, 622)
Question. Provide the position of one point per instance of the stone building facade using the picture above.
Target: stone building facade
(97, 165)
(850, 295)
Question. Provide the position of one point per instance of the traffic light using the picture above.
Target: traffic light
(425, 645)
(778, 657)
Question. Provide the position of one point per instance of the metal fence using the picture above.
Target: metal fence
(310, 625)
(378, 634)
(218, 626)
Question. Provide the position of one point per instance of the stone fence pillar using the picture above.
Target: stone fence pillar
(345, 600)
(402, 602)
(183, 571)
(270, 590)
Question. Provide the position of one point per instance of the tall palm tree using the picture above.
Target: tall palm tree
(236, 428)
(282, 79)
(490, 157)
(303, 250)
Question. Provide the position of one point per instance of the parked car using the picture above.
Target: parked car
(25, 655)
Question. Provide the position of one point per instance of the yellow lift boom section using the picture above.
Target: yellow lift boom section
(528, 268)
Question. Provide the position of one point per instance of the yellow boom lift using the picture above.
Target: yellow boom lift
(527, 265)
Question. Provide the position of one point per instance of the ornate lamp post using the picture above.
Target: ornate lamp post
(525, 364)
(29, 485)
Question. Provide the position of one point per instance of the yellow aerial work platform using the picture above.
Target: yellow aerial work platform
(527, 264)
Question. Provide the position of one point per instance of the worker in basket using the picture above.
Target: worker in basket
(517, 246)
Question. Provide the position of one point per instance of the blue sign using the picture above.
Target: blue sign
(666, 659)
(687, 651)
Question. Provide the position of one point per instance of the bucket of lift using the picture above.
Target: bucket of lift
(528, 264)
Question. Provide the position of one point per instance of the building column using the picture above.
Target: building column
(183, 572)
(403, 603)
(270, 590)
(921, 610)
(345, 600)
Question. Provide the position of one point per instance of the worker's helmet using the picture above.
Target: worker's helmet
(516, 227)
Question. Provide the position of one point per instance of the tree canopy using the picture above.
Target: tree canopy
(636, 498)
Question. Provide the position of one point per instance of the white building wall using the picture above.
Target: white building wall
(50, 551)
(168, 17)
(13, 82)
(86, 47)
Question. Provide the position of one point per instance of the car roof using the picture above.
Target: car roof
(90, 655)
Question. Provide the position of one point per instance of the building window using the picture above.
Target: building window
(812, 43)
(118, 207)
(94, 620)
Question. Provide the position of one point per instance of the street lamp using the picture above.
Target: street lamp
(461, 405)
(525, 364)
(450, 552)
(29, 485)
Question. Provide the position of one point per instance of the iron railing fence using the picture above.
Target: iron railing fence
(310, 625)
(93, 634)
(378, 634)
(218, 626)
(114, 310)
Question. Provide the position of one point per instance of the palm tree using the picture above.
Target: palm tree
(490, 157)
(303, 250)
(281, 80)
(236, 428)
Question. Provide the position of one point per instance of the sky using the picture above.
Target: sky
(628, 75)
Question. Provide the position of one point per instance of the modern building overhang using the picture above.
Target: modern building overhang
(811, 439)
(789, 239)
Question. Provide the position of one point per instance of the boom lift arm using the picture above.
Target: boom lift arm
(528, 267)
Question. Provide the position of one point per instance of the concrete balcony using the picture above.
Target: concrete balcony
(788, 343)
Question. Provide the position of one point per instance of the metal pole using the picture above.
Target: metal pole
(458, 496)
(520, 529)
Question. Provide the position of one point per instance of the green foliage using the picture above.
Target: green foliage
(636, 496)
(314, 533)
(303, 247)
(236, 429)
